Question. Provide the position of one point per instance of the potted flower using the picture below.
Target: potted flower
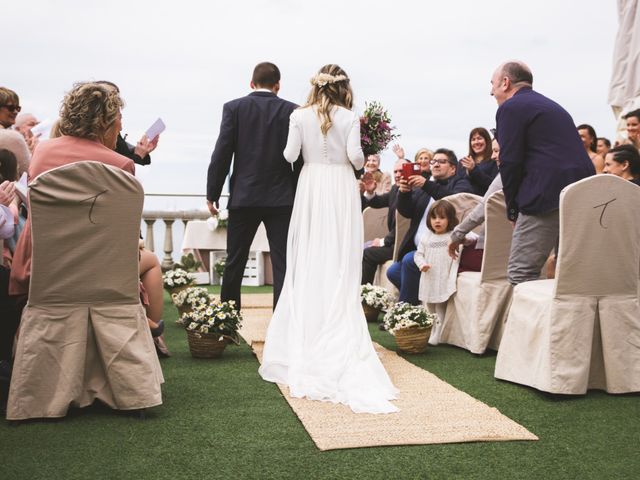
(176, 280)
(219, 266)
(211, 327)
(411, 325)
(191, 298)
(374, 299)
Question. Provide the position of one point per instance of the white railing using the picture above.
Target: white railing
(150, 217)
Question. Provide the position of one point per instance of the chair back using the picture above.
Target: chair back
(599, 250)
(402, 227)
(85, 221)
(464, 203)
(375, 223)
(498, 233)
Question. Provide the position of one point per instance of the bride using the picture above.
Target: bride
(318, 342)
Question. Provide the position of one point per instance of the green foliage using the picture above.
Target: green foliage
(189, 263)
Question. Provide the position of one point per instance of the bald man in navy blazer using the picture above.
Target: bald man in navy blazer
(253, 134)
(540, 154)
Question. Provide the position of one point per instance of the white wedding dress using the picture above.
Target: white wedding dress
(318, 342)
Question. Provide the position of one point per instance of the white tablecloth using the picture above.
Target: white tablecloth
(198, 236)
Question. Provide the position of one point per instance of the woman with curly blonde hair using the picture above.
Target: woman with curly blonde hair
(318, 342)
(90, 121)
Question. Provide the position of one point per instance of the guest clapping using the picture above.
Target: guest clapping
(382, 179)
(477, 165)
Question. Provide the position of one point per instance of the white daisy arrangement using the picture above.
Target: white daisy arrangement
(404, 315)
(219, 318)
(376, 297)
(192, 297)
(177, 278)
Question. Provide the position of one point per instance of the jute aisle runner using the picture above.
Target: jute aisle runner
(431, 411)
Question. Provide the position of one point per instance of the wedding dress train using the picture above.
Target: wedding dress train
(318, 342)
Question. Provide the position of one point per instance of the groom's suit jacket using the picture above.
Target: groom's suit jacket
(253, 133)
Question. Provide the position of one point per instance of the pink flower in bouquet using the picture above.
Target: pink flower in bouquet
(375, 129)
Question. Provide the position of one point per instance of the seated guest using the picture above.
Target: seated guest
(603, 145)
(415, 195)
(90, 121)
(14, 141)
(381, 249)
(589, 140)
(623, 161)
(382, 179)
(633, 128)
(423, 156)
(477, 165)
(9, 107)
(24, 123)
(8, 313)
(139, 152)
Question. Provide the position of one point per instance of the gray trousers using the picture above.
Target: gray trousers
(533, 239)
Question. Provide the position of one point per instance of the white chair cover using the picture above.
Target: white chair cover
(582, 330)
(476, 312)
(375, 223)
(84, 333)
(464, 203)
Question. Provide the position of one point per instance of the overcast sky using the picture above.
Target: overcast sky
(429, 63)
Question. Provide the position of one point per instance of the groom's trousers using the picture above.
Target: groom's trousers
(242, 227)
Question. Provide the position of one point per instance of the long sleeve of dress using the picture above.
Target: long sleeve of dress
(294, 140)
(419, 256)
(354, 147)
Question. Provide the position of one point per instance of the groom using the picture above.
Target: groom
(254, 133)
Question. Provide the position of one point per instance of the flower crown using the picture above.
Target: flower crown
(322, 79)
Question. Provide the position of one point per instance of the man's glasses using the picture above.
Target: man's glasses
(441, 162)
(12, 108)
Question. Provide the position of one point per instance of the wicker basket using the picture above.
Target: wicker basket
(206, 345)
(370, 313)
(413, 340)
(177, 289)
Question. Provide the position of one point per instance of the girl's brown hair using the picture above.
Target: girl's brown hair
(442, 208)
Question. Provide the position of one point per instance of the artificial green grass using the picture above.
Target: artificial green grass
(220, 420)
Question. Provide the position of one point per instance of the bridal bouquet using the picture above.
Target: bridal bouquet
(375, 129)
(220, 319)
(404, 315)
(221, 220)
(375, 297)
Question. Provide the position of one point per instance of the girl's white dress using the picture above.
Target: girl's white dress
(439, 282)
(318, 342)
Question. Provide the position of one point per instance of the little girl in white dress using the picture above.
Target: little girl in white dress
(439, 270)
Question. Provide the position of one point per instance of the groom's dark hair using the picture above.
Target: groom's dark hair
(266, 75)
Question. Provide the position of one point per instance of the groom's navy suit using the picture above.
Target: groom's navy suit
(254, 133)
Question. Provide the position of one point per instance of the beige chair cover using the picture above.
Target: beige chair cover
(402, 227)
(84, 333)
(476, 312)
(582, 330)
(375, 223)
(464, 203)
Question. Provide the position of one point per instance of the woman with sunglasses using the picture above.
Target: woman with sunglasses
(9, 107)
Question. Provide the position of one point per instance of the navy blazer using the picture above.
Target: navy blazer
(253, 133)
(540, 153)
(411, 205)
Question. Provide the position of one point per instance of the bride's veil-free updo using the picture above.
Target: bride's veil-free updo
(331, 87)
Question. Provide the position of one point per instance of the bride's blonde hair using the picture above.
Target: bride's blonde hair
(331, 87)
